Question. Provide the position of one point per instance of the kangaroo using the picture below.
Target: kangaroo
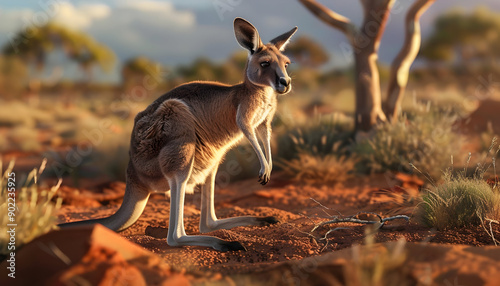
(179, 140)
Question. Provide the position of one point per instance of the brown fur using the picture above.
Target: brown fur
(179, 140)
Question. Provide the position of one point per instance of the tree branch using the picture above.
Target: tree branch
(331, 18)
(376, 14)
(400, 67)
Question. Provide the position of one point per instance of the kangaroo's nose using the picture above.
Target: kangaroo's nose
(284, 81)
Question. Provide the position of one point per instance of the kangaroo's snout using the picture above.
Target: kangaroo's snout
(283, 84)
(284, 81)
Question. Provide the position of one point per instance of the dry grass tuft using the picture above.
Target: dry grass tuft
(315, 169)
(316, 152)
(462, 200)
(35, 213)
(458, 202)
(378, 265)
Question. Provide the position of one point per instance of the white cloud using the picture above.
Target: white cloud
(65, 13)
(96, 10)
(165, 10)
(157, 30)
(80, 17)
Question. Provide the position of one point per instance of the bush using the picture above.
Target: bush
(427, 141)
(316, 152)
(460, 201)
(35, 214)
(314, 169)
(319, 136)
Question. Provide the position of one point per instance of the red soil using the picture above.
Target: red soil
(288, 240)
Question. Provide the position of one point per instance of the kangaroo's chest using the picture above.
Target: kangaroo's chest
(260, 116)
(263, 111)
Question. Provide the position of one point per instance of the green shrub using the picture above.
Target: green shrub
(35, 213)
(317, 136)
(314, 169)
(316, 151)
(459, 201)
(427, 141)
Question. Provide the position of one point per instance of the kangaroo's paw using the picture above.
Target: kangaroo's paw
(264, 177)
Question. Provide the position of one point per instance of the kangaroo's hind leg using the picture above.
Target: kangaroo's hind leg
(176, 160)
(176, 232)
(208, 219)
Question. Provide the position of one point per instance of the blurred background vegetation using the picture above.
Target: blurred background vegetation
(83, 125)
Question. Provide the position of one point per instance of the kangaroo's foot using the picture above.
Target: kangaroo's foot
(208, 225)
(204, 240)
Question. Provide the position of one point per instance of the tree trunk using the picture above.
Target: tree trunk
(366, 43)
(400, 67)
(368, 98)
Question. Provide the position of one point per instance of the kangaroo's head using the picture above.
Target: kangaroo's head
(266, 64)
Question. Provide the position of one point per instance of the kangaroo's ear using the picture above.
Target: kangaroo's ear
(281, 41)
(246, 35)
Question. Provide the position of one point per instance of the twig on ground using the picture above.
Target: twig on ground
(490, 232)
(324, 208)
(353, 219)
(325, 238)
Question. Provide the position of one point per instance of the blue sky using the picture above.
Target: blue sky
(178, 31)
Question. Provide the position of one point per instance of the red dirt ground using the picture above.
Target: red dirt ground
(287, 240)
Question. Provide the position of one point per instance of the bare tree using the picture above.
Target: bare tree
(365, 41)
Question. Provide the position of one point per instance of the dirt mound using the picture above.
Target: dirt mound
(88, 256)
(421, 264)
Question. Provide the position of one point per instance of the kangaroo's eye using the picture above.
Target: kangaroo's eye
(264, 64)
(286, 65)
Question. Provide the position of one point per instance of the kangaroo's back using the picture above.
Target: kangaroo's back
(211, 105)
(193, 93)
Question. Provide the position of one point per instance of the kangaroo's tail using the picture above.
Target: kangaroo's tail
(131, 209)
